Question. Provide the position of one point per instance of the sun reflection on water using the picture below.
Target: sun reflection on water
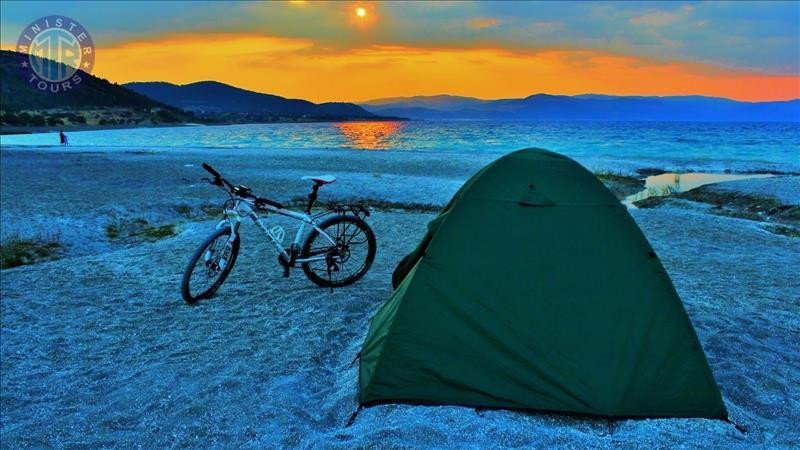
(370, 135)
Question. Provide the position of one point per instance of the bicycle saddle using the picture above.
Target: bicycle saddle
(321, 179)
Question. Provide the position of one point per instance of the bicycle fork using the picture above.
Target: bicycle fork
(232, 221)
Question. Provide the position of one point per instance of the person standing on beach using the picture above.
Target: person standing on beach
(63, 137)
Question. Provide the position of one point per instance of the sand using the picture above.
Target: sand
(99, 350)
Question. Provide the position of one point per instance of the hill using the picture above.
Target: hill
(588, 107)
(17, 95)
(430, 101)
(214, 99)
(95, 101)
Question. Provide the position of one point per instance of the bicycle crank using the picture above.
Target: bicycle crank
(293, 252)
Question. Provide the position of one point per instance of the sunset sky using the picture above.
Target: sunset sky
(355, 51)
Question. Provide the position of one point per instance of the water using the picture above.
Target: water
(718, 146)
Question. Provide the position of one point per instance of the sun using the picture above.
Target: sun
(360, 14)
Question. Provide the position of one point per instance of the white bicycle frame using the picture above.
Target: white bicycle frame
(244, 208)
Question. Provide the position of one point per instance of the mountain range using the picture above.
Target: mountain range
(214, 102)
(212, 98)
(16, 94)
(593, 107)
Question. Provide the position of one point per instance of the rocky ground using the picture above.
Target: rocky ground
(774, 203)
(99, 350)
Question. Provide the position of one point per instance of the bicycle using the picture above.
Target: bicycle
(340, 239)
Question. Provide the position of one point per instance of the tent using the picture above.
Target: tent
(534, 289)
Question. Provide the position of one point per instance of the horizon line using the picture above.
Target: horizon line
(400, 97)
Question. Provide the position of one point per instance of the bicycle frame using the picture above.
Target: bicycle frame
(308, 249)
(244, 208)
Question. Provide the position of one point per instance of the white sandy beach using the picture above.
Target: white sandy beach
(99, 350)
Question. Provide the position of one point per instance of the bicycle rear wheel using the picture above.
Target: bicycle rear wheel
(343, 261)
(209, 266)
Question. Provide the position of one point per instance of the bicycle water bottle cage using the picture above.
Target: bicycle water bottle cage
(277, 232)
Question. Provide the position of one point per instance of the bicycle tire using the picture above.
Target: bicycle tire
(341, 222)
(190, 297)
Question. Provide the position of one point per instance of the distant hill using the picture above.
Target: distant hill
(429, 101)
(211, 98)
(588, 107)
(95, 102)
(16, 94)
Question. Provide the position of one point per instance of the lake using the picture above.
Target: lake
(707, 146)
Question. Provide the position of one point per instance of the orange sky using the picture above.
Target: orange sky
(298, 68)
(328, 52)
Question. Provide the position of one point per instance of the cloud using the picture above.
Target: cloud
(750, 36)
(542, 27)
(483, 23)
(662, 18)
(304, 68)
(655, 19)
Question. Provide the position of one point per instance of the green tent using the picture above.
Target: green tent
(534, 289)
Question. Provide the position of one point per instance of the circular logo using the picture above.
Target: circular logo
(59, 53)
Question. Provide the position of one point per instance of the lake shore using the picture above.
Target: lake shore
(98, 348)
(10, 130)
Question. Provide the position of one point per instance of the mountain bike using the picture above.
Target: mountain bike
(338, 250)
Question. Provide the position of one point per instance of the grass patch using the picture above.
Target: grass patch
(375, 204)
(746, 206)
(384, 205)
(184, 210)
(112, 230)
(621, 185)
(785, 218)
(211, 210)
(783, 230)
(138, 229)
(649, 202)
(18, 252)
(650, 171)
(156, 233)
(663, 191)
(299, 203)
(607, 175)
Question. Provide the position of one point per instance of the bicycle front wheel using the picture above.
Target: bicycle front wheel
(210, 266)
(343, 261)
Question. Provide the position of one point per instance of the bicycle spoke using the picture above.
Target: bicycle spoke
(349, 254)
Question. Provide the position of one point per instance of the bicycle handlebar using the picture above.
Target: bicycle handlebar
(211, 170)
(219, 181)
